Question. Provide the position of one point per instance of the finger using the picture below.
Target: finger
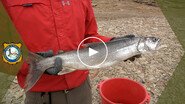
(49, 53)
(58, 63)
(138, 56)
(132, 59)
(52, 71)
(45, 53)
(40, 53)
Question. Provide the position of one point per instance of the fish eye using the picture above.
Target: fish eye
(154, 39)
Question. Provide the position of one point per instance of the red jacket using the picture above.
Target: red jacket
(56, 25)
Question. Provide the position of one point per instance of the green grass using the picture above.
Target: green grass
(174, 11)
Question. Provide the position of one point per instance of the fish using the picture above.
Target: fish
(118, 50)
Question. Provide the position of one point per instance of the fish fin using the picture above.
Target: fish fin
(91, 44)
(129, 36)
(123, 37)
(97, 71)
(60, 52)
(34, 72)
(66, 70)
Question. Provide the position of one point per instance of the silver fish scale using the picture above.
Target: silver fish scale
(117, 50)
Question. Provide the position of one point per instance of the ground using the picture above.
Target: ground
(122, 17)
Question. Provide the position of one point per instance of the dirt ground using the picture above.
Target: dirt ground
(122, 17)
(115, 9)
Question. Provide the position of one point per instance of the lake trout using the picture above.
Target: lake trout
(118, 50)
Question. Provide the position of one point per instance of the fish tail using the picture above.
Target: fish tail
(35, 71)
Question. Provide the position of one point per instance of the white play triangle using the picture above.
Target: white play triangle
(92, 52)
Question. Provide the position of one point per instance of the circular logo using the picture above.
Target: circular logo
(12, 53)
(94, 54)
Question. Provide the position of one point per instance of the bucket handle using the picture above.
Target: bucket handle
(100, 84)
(148, 98)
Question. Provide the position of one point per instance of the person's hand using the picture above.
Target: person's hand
(57, 65)
(125, 37)
(133, 58)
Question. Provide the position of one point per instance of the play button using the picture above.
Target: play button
(92, 52)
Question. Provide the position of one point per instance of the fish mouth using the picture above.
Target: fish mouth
(158, 44)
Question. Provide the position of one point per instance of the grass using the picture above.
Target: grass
(174, 11)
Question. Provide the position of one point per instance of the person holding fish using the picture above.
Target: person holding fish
(47, 27)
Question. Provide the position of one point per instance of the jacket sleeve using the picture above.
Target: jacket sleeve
(91, 26)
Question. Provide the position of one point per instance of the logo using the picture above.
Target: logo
(12, 53)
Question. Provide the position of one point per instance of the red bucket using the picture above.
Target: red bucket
(123, 91)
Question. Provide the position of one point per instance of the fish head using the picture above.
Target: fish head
(147, 44)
